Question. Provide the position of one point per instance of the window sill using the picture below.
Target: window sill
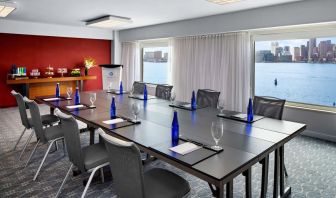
(311, 107)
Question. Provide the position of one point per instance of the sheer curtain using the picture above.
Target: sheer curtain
(130, 59)
(221, 62)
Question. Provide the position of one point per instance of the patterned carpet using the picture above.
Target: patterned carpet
(310, 163)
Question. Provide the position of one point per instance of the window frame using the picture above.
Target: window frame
(292, 33)
(153, 44)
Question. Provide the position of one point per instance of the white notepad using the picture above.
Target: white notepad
(185, 148)
(240, 115)
(114, 121)
(74, 106)
(51, 99)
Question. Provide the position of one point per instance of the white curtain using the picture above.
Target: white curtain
(221, 62)
(130, 59)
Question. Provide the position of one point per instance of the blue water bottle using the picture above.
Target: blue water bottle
(77, 97)
(250, 111)
(57, 90)
(113, 112)
(175, 129)
(193, 101)
(145, 92)
(121, 90)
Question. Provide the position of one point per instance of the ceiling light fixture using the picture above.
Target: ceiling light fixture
(6, 8)
(222, 2)
(109, 22)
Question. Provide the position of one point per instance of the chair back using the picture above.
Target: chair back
(268, 106)
(207, 98)
(70, 129)
(163, 91)
(36, 119)
(126, 166)
(138, 87)
(22, 109)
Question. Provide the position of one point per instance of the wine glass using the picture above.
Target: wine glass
(136, 110)
(220, 106)
(69, 92)
(217, 130)
(93, 97)
(172, 97)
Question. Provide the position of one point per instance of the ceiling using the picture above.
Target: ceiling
(142, 12)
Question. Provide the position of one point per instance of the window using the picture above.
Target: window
(155, 67)
(298, 70)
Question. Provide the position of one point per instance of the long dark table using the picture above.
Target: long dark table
(244, 144)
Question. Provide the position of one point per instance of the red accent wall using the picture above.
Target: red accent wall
(37, 52)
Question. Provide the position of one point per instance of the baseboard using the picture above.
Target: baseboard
(322, 136)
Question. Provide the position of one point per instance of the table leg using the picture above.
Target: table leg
(264, 177)
(283, 192)
(92, 135)
(217, 191)
(229, 189)
(52, 110)
(248, 183)
(276, 174)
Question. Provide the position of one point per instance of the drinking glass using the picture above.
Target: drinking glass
(136, 110)
(93, 97)
(172, 97)
(69, 92)
(220, 106)
(217, 129)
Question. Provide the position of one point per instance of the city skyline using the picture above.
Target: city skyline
(157, 54)
(266, 45)
(313, 50)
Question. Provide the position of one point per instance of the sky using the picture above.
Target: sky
(266, 45)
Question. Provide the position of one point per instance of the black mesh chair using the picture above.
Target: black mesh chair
(127, 169)
(87, 159)
(272, 108)
(163, 91)
(269, 107)
(47, 120)
(207, 98)
(138, 87)
(49, 135)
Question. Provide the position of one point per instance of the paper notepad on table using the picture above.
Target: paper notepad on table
(114, 121)
(186, 105)
(51, 99)
(240, 115)
(74, 106)
(185, 148)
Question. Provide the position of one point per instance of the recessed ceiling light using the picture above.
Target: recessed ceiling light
(222, 2)
(109, 22)
(6, 8)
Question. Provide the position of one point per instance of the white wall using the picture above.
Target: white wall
(304, 12)
(319, 124)
(43, 29)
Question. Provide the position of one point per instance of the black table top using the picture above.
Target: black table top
(244, 143)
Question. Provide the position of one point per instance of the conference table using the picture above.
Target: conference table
(244, 144)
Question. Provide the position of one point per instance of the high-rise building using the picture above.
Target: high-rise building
(297, 52)
(304, 52)
(312, 45)
(165, 56)
(158, 55)
(149, 56)
(324, 48)
(274, 46)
